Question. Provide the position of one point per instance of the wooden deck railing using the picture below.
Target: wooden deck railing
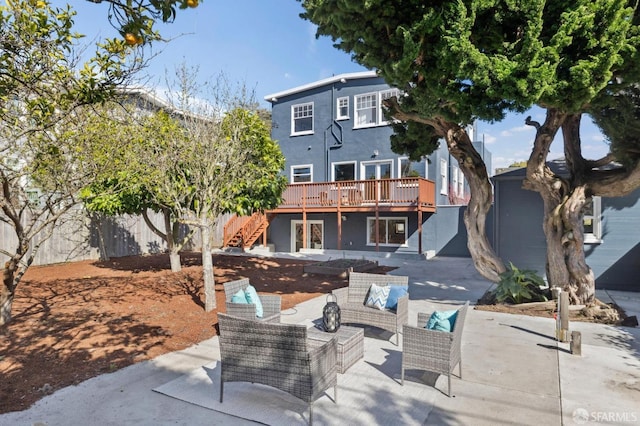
(244, 226)
(416, 193)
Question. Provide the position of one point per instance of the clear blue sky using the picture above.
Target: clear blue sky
(267, 46)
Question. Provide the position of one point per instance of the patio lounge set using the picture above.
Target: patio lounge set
(304, 362)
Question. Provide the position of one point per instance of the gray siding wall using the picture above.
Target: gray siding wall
(520, 239)
(332, 141)
(443, 233)
(337, 141)
(616, 261)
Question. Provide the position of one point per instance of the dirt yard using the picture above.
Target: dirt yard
(78, 320)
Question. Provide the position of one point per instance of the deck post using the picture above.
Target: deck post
(339, 245)
(419, 230)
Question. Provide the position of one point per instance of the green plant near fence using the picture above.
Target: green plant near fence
(521, 286)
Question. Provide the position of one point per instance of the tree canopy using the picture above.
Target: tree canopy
(481, 59)
(43, 85)
(460, 61)
(135, 19)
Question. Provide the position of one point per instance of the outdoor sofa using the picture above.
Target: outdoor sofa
(277, 355)
(352, 299)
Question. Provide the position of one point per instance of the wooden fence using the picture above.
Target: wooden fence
(76, 238)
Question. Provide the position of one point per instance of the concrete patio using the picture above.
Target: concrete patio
(514, 371)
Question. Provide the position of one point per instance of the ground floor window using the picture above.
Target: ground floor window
(391, 231)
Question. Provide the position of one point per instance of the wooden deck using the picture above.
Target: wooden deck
(384, 195)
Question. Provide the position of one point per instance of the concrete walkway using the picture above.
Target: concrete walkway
(514, 371)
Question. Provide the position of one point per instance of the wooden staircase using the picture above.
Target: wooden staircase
(244, 231)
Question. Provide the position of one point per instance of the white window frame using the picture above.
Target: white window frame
(400, 161)
(339, 163)
(304, 114)
(342, 100)
(594, 237)
(444, 177)
(404, 220)
(385, 94)
(374, 108)
(309, 223)
(460, 183)
(301, 166)
(454, 184)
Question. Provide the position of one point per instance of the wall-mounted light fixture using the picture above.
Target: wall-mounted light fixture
(375, 153)
(343, 80)
(274, 99)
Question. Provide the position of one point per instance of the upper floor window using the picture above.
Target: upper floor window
(592, 221)
(344, 171)
(455, 177)
(366, 110)
(302, 119)
(444, 177)
(301, 174)
(386, 94)
(460, 183)
(343, 108)
(409, 168)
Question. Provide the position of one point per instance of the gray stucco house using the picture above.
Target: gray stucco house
(347, 190)
(612, 235)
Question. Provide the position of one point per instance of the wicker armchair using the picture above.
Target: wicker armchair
(271, 303)
(432, 350)
(351, 300)
(277, 355)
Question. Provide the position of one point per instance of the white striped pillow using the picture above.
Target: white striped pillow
(378, 296)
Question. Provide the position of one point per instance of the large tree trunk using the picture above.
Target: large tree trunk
(566, 264)
(460, 146)
(207, 268)
(563, 200)
(485, 259)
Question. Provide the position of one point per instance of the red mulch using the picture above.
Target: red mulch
(78, 320)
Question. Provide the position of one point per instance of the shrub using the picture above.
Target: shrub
(521, 286)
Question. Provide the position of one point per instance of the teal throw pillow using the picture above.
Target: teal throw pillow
(239, 297)
(378, 296)
(396, 292)
(253, 299)
(442, 321)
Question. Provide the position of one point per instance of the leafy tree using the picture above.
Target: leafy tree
(123, 183)
(41, 85)
(223, 161)
(135, 19)
(462, 61)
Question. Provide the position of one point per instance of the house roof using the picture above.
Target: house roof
(153, 98)
(334, 79)
(557, 166)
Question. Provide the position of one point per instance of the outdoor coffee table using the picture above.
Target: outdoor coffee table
(350, 344)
